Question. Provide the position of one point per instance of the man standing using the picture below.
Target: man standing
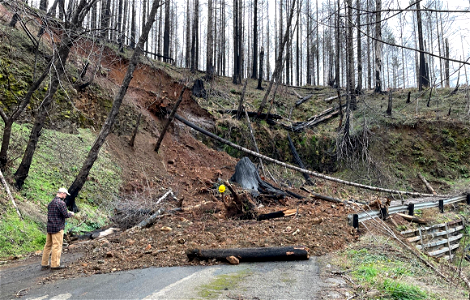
(56, 215)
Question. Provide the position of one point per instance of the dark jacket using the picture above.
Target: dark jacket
(56, 214)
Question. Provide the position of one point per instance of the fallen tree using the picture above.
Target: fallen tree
(251, 254)
(315, 120)
(318, 175)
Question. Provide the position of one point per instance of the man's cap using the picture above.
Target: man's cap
(63, 190)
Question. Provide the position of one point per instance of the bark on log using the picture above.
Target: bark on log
(315, 120)
(426, 183)
(328, 100)
(278, 214)
(251, 254)
(304, 99)
(318, 175)
(412, 218)
(297, 94)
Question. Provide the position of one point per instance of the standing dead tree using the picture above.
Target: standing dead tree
(278, 67)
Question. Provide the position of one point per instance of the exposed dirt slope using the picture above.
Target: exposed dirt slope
(192, 171)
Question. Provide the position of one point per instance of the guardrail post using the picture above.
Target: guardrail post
(383, 213)
(441, 206)
(355, 221)
(468, 199)
(411, 209)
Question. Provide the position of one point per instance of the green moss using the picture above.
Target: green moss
(221, 283)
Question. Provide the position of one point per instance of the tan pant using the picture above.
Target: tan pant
(53, 248)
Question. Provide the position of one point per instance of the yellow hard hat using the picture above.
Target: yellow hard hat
(221, 188)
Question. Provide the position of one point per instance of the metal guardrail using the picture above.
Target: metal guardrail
(367, 215)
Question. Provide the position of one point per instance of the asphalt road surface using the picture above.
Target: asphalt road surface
(267, 280)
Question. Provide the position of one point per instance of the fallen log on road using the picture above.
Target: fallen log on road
(251, 254)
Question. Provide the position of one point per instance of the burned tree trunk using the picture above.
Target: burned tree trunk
(246, 175)
(251, 254)
(297, 159)
(241, 207)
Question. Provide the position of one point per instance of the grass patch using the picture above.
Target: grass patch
(383, 268)
(18, 237)
(56, 162)
(221, 283)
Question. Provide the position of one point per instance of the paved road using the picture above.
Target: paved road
(268, 280)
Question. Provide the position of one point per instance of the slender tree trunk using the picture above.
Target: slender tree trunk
(105, 14)
(236, 50)
(108, 124)
(359, 49)
(119, 26)
(297, 50)
(188, 36)
(369, 66)
(350, 57)
(166, 32)
(210, 42)
(447, 63)
(318, 48)
(255, 39)
(279, 60)
(260, 78)
(133, 25)
(195, 37)
(309, 47)
(337, 82)
(43, 4)
(378, 47)
(423, 77)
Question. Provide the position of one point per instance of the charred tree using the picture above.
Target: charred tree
(279, 60)
(423, 75)
(251, 254)
(210, 42)
(378, 47)
(359, 49)
(166, 32)
(195, 38)
(106, 129)
(254, 73)
(59, 60)
(260, 77)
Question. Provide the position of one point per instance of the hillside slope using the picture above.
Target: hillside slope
(389, 152)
